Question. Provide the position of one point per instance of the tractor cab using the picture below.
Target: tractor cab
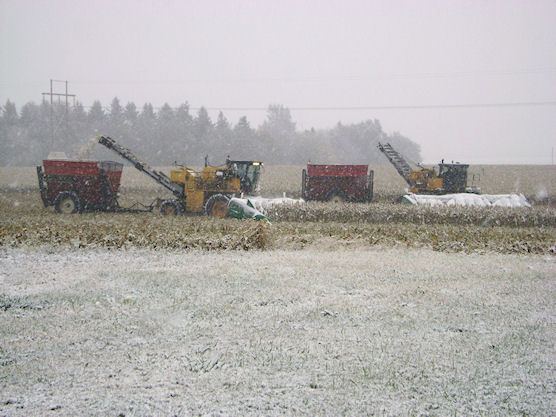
(454, 177)
(249, 173)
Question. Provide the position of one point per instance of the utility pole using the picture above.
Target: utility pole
(59, 95)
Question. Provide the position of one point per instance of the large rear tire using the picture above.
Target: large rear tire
(67, 202)
(170, 208)
(336, 196)
(217, 206)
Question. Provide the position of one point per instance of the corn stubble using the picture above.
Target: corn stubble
(25, 223)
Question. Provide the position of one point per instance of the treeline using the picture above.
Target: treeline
(175, 135)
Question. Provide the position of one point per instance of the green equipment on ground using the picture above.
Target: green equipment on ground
(244, 209)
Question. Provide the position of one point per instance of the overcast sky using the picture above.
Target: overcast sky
(328, 61)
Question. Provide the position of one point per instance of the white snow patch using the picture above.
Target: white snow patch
(541, 194)
(465, 199)
(260, 203)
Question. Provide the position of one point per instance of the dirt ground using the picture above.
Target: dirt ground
(322, 331)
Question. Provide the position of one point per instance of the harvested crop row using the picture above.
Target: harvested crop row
(22, 203)
(448, 238)
(379, 213)
(24, 222)
(127, 230)
(150, 231)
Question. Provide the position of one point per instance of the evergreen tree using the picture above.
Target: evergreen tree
(183, 116)
(174, 135)
(279, 132)
(78, 113)
(202, 125)
(167, 135)
(29, 114)
(166, 115)
(184, 133)
(130, 114)
(96, 116)
(245, 139)
(145, 141)
(147, 114)
(222, 124)
(223, 138)
(9, 114)
(10, 142)
(116, 113)
(203, 133)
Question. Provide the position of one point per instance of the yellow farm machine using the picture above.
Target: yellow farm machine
(208, 191)
(450, 178)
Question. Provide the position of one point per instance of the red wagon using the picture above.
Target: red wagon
(75, 186)
(337, 183)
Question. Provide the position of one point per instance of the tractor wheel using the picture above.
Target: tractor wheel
(170, 208)
(67, 203)
(336, 196)
(217, 206)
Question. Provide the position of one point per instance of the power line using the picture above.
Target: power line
(310, 78)
(377, 107)
(394, 107)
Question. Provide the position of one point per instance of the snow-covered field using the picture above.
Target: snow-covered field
(323, 331)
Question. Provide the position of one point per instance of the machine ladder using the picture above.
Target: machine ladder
(397, 160)
(158, 176)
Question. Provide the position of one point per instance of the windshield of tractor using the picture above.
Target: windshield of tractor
(452, 169)
(454, 177)
(249, 173)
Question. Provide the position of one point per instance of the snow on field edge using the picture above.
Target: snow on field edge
(467, 199)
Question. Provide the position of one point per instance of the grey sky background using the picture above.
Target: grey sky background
(328, 61)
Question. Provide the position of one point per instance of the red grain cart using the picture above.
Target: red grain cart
(337, 183)
(75, 186)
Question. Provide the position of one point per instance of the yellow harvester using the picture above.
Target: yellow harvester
(208, 191)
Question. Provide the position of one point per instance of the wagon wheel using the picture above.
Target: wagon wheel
(170, 208)
(336, 197)
(217, 206)
(67, 203)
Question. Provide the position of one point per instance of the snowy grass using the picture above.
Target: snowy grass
(324, 331)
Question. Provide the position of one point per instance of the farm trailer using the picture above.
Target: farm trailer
(337, 183)
(75, 186)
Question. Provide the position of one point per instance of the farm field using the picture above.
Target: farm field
(536, 182)
(352, 309)
(25, 222)
(323, 331)
(382, 223)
